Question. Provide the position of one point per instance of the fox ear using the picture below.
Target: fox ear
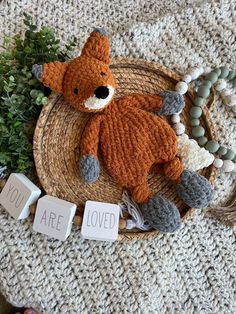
(51, 74)
(97, 46)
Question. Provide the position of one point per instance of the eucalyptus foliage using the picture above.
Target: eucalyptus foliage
(21, 95)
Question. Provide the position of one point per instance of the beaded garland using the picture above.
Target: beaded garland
(225, 157)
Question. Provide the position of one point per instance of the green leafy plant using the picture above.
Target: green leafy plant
(21, 95)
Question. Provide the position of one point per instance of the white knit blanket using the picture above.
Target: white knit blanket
(191, 271)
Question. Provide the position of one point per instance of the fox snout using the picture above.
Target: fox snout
(101, 98)
(101, 92)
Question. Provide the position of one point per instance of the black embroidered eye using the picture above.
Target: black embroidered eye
(102, 73)
(76, 91)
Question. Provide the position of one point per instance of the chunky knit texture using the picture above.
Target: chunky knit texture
(37, 70)
(191, 271)
(132, 140)
(89, 168)
(173, 102)
(194, 189)
(161, 214)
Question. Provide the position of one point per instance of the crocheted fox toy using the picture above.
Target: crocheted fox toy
(133, 140)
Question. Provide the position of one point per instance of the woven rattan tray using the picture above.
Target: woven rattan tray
(57, 139)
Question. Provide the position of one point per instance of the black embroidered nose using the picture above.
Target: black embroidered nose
(101, 92)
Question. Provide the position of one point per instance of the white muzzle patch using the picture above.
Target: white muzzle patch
(97, 103)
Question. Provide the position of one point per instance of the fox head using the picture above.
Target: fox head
(86, 82)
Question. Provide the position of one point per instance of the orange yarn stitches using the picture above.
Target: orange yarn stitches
(132, 138)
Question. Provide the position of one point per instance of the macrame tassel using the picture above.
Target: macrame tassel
(225, 214)
(129, 206)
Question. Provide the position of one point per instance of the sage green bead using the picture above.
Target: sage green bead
(207, 83)
(198, 101)
(212, 146)
(212, 77)
(229, 155)
(217, 71)
(224, 72)
(222, 151)
(198, 131)
(231, 75)
(195, 112)
(203, 91)
(202, 140)
(194, 122)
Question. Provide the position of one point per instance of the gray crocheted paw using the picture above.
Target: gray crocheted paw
(194, 189)
(89, 168)
(173, 103)
(37, 70)
(161, 214)
(101, 31)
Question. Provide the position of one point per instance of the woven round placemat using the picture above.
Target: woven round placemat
(57, 140)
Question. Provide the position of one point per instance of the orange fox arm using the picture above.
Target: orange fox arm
(167, 103)
(90, 136)
(146, 101)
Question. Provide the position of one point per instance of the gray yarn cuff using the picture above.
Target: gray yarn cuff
(173, 103)
(101, 31)
(161, 214)
(37, 70)
(194, 189)
(89, 168)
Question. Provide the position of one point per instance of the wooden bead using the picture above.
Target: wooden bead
(212, 76)
(222, 151)
(202, 140)
(218, 163)
(194, 122)
(175, 118)
(2, 184)
(187, 78)
(181, 87)
(199, 101)
(194, 73)
(122, 224)
(179, 128)
(231, 75)
(207, 83)
(203, 91)
(195, 112)
(198, 131)
(229, 155)
(212, 146)
(32, 208)
(224, 72)
(77, 220)
(217, 71)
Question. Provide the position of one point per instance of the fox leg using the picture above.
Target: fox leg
(160, 213)
(173, 169)
(191, 187)
(141, 193)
